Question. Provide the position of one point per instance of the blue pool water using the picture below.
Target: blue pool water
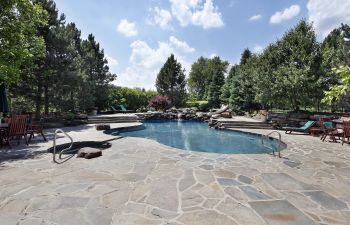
(197, 136)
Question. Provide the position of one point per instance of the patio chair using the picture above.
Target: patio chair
(346, 131)
(303, 129)
(36, 129)
(17, 128)
(329, 130)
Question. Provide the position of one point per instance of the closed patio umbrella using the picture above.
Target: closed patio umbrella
(3, 99)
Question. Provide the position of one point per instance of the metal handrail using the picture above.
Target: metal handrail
(66, 150)
(279, 142)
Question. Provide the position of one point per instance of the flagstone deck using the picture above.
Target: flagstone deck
(139, 181)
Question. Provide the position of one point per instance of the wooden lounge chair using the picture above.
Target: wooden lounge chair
(346, 132)
(303, 129)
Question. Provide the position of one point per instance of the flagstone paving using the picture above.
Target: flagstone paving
(139, 181)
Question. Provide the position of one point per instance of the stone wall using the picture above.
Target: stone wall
(183, 113)
(297, 119)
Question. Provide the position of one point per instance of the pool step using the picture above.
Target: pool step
(243, 124)
(113, 119)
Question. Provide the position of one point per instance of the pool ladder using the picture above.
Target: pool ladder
(263, 137)
(66, 150)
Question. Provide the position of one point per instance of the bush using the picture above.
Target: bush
(159, 102)
(132, 98)
(203, 105)
(190, 104)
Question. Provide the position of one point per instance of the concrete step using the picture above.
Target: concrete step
(248, 127)
(239, 122)
(244, 124)
(111, 119)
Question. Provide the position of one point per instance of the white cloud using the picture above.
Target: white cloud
(213, 55)
(258, 49)
(194, 12)
(161, 17)
(180, 45)
(286, 14)
(146, 61)
(127, 28)
(255, 17)
(111, 61)
(328, 14)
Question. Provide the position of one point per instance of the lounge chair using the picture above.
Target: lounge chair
(122, 109)
(113, 109)
(303, 129)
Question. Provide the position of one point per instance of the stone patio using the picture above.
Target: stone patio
(139, 181)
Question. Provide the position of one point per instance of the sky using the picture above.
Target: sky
(139, 35)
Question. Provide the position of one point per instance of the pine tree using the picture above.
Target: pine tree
(214, 92)
(171, 81)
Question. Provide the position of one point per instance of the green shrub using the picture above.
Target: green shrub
(203, 105)
(192, 104)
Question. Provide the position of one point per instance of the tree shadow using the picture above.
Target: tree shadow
(36, 147)
(19, 152)
(70, 151)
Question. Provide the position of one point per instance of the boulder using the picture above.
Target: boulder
(89, 153)
(226, 114)
(103, 127)
(215, 116)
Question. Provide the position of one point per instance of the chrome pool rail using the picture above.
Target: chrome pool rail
(279, 142)
(66, 150)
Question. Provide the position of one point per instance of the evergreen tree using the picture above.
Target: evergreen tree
(214, 92)
(299, 71)
(246, 55)
(97, 71)
(69, 75)
(226, 88)
(171, 81)
(201, 75)
(198, 77)
(242, 94)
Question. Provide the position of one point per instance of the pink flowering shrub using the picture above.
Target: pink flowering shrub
(159, 102)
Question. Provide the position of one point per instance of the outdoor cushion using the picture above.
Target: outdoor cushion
(304, 128)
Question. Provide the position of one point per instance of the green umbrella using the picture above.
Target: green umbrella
(3, 99)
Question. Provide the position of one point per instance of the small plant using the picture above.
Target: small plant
(159, 102)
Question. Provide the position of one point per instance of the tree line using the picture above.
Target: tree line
(45, 63)
(47, 66)
(293, 73)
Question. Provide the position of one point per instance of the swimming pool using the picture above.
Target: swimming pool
(197, 136)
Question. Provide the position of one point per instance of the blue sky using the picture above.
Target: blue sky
(139, 35)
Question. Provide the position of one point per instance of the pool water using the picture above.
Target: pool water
(197, 136)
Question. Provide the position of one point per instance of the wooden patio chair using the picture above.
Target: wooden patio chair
(346, 132)
(17, 128)
(36, 129)
(328, 130)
